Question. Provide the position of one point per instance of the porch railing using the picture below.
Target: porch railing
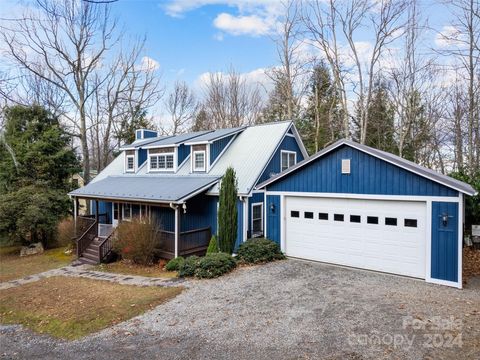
(193, 242)
(86, 238)
(106, 245)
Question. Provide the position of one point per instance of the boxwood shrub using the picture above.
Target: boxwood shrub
(259, 250)
(174, 264)
(214, 265)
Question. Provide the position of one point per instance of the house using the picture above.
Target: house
(353, 205)
(175, 180)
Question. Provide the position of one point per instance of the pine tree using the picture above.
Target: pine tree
(227, 212)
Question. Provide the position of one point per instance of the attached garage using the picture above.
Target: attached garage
(356, 206)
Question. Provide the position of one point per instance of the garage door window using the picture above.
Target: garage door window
(323, 216)
(355, 218)
(308, 215)
(295, 214)
(410, 223)
(372, 219)
(391, 221)
(338, 217)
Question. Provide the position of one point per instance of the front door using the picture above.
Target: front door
(115, 212)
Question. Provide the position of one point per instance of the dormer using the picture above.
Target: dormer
(142, 134)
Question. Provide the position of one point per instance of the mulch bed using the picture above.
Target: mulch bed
(471, 263)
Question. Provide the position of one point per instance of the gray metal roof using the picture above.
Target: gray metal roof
(393, 159)
(177, 139)
(217, 134)
(146, 188)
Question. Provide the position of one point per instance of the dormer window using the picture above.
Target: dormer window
(130, 162)
(288, 158)
(199, 161)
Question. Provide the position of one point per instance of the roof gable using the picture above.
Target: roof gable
(394, 160)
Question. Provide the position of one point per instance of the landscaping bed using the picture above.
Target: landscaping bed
(74, 307)
(129, 268)
(471, 263)
(12, 266)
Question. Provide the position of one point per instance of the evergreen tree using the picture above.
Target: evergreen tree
(419, 132)
(126, 132)
(36, 164)
(276, 108)
(227, 212)
(381, 117)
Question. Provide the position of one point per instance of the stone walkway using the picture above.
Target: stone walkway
(85, 272)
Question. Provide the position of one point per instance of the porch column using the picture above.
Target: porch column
(177, 229)
(75, 213)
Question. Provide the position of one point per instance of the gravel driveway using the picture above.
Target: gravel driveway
(288, 309)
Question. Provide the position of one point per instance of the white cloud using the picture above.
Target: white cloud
(449, 36)
(149, 64)
(243, 25)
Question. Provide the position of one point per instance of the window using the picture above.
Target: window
(410, 223)
(345, 166)
(295, 213)
(199, 161)
(355, 218)
(288, 158)
(130, 163)
(391, 221)
(308, 215)
(127, 212)
(322, 216)
(372, 219)
(257, 218)
(338, 217)
(161, 162)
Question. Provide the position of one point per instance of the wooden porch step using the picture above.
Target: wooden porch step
(91, 251)
(92, 257)
(87, 260)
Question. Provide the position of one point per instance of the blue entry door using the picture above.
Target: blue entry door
(445, 241)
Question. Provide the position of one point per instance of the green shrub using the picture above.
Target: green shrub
(214, 265)
(136, 240)
(174, 264)
(254, 251)
(188, 267)
(212, 246)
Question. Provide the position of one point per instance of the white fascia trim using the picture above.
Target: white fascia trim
(257, 191)
(196, 192)
(204, 168)
(461, 216)
(245, 219)
(265, 215)
(223, 151)
(291, 135)
(126, 200)
(283, 224)
(365, 196)
(251, 210)
(160, 146)
(300, 143)
(340, 143)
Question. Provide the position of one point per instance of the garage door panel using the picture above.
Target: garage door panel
(390, 248)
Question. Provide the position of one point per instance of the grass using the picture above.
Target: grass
(123, 267)
(12, 266)
(70, 308)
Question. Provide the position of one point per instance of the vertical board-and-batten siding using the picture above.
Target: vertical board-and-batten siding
(217, 147)
(288, 143)
(104, 207)
(368, 175)
(142, 156)
(183, 151)
(444, 259)
(273, 218)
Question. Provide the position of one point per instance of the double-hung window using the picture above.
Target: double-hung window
(288, 158)
(199, 161)
(161, 162)
(257, 218)
(130, 163)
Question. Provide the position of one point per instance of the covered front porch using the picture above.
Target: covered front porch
(185, 224)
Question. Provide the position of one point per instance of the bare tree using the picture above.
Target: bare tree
(63, 43)
(182, 107)
(229, 101)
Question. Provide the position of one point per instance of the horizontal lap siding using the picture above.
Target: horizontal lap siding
(368, 175)
(217, 147)
(274, 166)
(273, 218)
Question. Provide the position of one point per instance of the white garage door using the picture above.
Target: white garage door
(378, 235)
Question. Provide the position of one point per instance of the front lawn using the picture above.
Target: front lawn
(128, 268)
(12, 266)
(74, 307)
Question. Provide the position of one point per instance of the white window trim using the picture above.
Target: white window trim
(204, 168)
(125, 218)
(261, 212)
(287, 152)
(126, 163)
(162, 170)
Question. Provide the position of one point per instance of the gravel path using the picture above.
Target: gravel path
(85, 272)
(290, 309)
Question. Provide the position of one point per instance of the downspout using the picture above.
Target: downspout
(177, 227)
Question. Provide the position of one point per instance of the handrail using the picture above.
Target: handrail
(194, 230)
(106, 246)
(86, 238)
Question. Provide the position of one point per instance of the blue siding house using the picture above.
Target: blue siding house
(353, 205)
(174, 180)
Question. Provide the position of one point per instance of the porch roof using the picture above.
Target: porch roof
(147, 188)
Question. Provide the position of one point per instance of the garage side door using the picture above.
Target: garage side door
(386, 236)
